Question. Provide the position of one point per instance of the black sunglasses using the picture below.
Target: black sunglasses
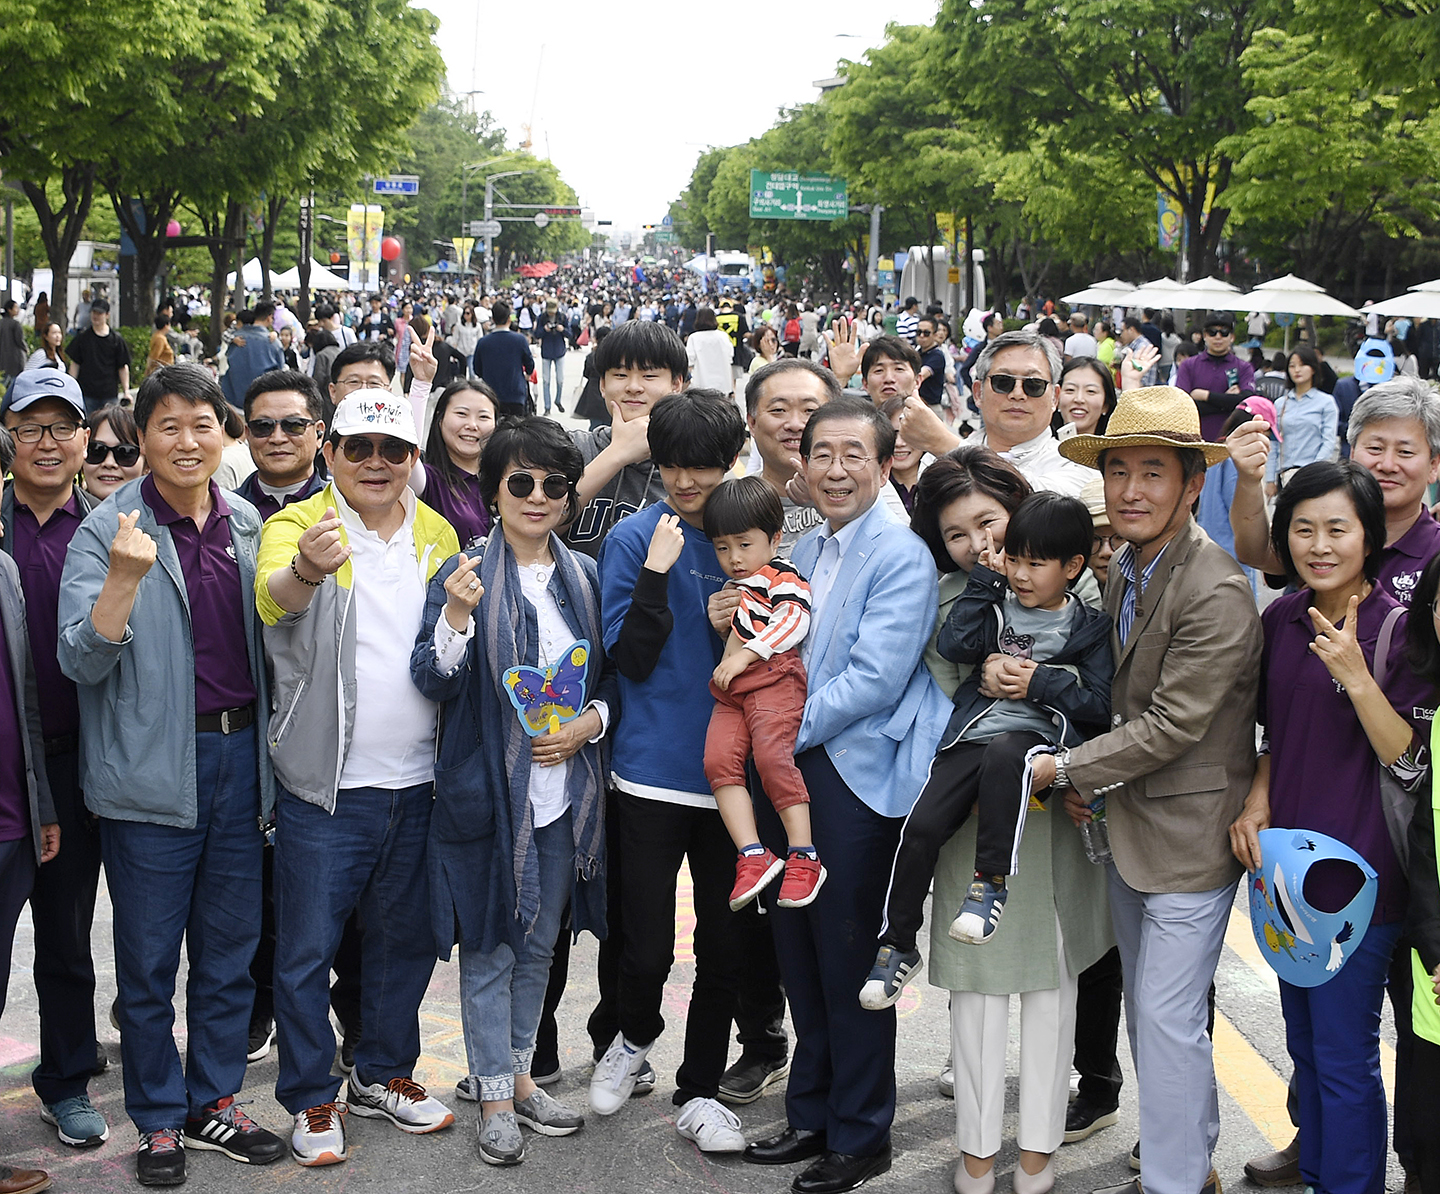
(126, 455)
(522, 485)
(360, 448)
(292, 425)
(1034, 387)
(1218, 331)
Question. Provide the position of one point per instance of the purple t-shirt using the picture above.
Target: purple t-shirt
(1211, 373)
(39, 554)
(1324, 774)
(465, 510)
(1404, 560)
(14, 797)
(217, 610)
(269, 506)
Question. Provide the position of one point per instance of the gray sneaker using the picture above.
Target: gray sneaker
(500, 1141)
(548, 1116)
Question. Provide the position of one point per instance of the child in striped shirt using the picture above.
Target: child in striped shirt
(759, 685)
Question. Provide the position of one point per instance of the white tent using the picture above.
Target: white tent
(1105, 293)
(1204, 294)
(321, 278)
(1417, 304)
(253, 276)
(1295, 296)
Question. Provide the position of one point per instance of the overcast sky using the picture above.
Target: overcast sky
(628, 95)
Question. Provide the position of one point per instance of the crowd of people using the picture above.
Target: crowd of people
(858, 616)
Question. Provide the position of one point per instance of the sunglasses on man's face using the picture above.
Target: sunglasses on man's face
(126, 455)
(1004, 383)
(292, 425)
(1217, 331)
(522, 485)
(359, 449)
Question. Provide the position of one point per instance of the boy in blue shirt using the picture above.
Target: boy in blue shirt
(658, 571)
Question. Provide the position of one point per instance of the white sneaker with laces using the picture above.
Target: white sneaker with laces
(711, 1125)
(402, 1101)
(614, 1079)
(319, 1136)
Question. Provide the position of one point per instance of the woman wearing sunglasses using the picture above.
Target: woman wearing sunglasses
(113, 456)
(511, 645)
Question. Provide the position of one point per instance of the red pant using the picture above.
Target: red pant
(760, 714)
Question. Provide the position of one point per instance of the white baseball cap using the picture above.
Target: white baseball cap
(376, 412)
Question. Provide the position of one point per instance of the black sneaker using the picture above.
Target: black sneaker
(750, 1077)
(224, 1128)
(102, 1062)
(1083, 1119)
(257, 1048)
(160, 1159)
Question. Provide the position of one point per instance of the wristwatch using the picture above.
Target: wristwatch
(1062, 769)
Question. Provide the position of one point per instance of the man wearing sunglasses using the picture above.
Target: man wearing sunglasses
(341, 587)
(1217, 379)
(283, 414)
(41, 510)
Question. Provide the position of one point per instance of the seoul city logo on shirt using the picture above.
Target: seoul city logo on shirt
(1404, 586)
(230, 550)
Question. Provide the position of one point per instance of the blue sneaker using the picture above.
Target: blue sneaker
(77, 1122)
(980, 914)
(892, 970)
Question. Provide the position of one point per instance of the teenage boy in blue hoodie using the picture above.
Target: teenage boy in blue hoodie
(657, 573)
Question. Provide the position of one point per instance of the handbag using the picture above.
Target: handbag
(1396, 803)
(583, 338)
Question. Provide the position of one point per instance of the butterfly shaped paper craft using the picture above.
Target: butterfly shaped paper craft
(546, 697)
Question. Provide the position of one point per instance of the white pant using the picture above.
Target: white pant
(980, 1033)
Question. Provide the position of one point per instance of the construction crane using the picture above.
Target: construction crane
(534, 99)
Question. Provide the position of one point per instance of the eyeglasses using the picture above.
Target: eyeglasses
(1113, 542)
(1219, 331)
(522, 485)
(851, 462)
(1004, 383)
(360, 448)
(33, 433)
(126, 455)
(292, 425)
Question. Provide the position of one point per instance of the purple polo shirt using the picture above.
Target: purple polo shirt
(1404, 560)
(14, 797)
(217, 611)
(464, 510)
(1323, 771)
(267, 505)
(39, 554)
(1206, 372)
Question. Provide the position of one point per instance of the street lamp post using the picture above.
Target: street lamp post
(465, 197)
(489, 215)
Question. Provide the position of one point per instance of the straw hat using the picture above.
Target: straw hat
(1159, 415)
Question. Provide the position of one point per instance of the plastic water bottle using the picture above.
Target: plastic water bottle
(1096, 833)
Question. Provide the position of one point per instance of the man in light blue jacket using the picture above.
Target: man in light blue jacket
(872, 720)
(159, 632)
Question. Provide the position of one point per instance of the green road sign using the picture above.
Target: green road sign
(664, 237)
(787, 195)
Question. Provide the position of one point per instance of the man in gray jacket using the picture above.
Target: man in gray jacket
(29, 835)
(159, 632)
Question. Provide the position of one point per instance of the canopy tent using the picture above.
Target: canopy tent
(1204, 294)
(1419, 303)
(1105, 293)
(321, 278)
(542, 270)
(1152, 294)
(1295, 296)
(253, 276)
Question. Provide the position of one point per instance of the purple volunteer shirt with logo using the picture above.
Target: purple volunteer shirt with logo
(217, 610)
(39, 554)
(268, 505)
(465, 510)
(1324, 774)
(1404, 560)
(14, 795)
(1210, 373)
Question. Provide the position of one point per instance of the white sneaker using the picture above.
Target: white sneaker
(319, 1136)
(402, 1101)
(711, 1125)
(614, 1079)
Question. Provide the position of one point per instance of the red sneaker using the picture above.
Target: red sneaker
(803, 877)
(752, 873)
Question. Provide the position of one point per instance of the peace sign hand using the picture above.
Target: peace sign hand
(1338, 648)
(422, 357)
(990, 556)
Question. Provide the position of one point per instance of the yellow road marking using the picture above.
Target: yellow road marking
(1249, 1079)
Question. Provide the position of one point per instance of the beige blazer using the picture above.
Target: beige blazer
(1183, 710)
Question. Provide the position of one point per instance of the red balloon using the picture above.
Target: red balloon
(389, 248)
(334, 258)
(172, 228)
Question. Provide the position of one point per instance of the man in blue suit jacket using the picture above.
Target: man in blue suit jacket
(872, 720)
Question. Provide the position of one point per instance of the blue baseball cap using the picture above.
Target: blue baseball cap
(33, 385)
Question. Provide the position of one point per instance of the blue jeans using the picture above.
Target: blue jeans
(369, 855)
(202, 885)
(501, 994)
(1333, 1034)
(557, 369)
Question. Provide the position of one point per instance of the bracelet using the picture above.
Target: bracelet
(295, 572)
